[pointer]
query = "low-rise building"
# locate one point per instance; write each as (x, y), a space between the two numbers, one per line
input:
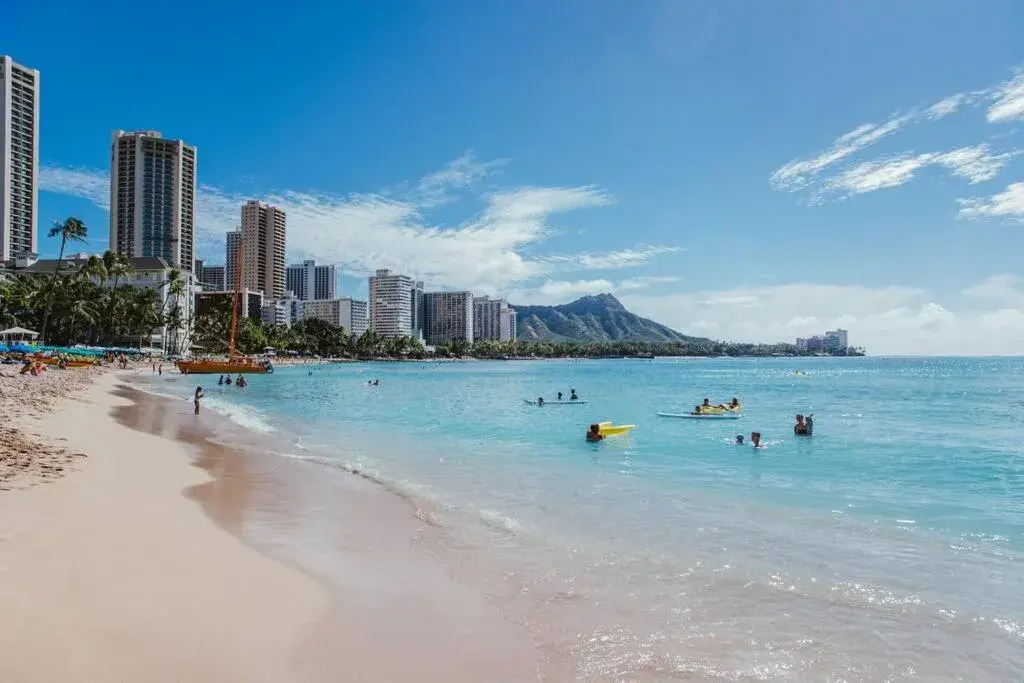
(148, 272)
(349, 314)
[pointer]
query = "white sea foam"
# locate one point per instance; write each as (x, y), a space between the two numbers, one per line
(240, 415)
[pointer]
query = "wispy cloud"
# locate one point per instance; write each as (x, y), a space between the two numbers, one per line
(1009, 100)
(975, 164)
(88, 184)
(1008, 204)
(560, 291)
(798, 174)
(816, 175)
(491, 252)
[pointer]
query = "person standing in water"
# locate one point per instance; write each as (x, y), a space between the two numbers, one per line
(594, 433)
(195, 399)
(572, 395)
(804, 425)
(755, 438)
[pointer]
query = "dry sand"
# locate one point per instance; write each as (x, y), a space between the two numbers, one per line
(25, 458)
(112, 575)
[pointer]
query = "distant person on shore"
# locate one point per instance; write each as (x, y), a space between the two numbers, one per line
(195, 399)
(755, 438)
(241, 383)
(572, 395)
(160, 369)
(594, 433)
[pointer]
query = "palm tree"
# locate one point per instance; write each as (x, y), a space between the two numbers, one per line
(93, 268)
(118, 266)
(71, 230)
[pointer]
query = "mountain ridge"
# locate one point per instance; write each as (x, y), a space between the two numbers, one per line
(592, 318)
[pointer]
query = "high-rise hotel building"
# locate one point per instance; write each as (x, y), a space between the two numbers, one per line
(310, 282)
(19, 159)
(263, 246)
(232, 242)
(153, 197)
(493, 320)
(391, 304)
(448, 316)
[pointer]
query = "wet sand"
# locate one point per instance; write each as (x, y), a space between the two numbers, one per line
(112, 574)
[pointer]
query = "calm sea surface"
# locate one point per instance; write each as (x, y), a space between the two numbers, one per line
(888, 547)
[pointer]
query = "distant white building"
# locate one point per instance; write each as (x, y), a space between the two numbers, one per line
(493, 320)
(448, 316)
(344, 312)
(286, 311)
(833, 341)
(391, 304)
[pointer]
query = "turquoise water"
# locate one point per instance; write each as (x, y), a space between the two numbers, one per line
(887, 547)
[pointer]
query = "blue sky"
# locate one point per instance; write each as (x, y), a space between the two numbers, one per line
(738, 170)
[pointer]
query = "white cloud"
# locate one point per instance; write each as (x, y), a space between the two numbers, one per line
(1008, 204)
(985, 319)
(946, 106)
(975, 164)
(798, 174)
(88, 184)
(623, 258)
(553, 292)
(1008, 99)
(491, 252)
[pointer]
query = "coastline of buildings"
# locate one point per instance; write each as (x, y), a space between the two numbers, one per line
(153, 188)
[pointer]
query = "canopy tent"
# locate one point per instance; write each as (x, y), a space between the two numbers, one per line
(17, 332)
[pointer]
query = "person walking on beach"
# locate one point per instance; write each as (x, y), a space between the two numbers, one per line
(198, 395)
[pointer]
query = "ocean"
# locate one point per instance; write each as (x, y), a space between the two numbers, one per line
(887, 547)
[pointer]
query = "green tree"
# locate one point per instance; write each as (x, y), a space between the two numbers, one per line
(71, 230)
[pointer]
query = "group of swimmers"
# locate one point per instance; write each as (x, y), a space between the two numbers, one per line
(572, 397)
(706, 408)
(241, 382)
(804, 427)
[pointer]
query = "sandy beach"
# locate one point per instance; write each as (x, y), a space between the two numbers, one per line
(115, 573)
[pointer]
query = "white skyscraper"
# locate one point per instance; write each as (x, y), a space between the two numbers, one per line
(391, 304)
(153, 197)
(493, 320)
(19, 159)
(263, 246)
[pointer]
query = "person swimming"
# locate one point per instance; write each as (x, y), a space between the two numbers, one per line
(227, 380)
(739, 439)
(540, 400)
(572, 395)
(221, 380)
(594, 433)
(697, 410)
(241, 382)
(802, 428)
(755, 439)
(559, 395)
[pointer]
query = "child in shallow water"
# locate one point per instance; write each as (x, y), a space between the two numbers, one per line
(755, 438)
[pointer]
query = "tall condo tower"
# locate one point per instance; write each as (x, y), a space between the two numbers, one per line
(263, 234)
(153, 197)
(19, 159)
(391, 303)
(231, 242)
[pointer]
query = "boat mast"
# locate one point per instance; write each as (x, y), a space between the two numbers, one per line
(239, 260)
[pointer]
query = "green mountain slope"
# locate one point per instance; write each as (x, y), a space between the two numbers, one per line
(600, 318)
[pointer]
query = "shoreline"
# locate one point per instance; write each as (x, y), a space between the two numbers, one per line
(120, 568)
